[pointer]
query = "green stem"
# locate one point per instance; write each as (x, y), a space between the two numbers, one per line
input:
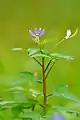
(44, 86)
(49, 70)
(37, 61)
(48, 65)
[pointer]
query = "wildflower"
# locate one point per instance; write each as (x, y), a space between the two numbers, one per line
(37, 32)
(58, 117)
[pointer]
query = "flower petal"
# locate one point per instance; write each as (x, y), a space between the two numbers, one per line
(32, 33)
(42, 32)
(58, 117)
(37, 31)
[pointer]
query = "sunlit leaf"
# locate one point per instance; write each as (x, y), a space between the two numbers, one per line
(45, 51)
(6, 104)
(35, 93)
(60, 56)
(18, 88)
(32, 51)
(41, 55)
(17, 49)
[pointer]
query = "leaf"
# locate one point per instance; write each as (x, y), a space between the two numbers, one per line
(27, 75)
(6, 104)
(32, 51)
(45, 51)
(35, 93)
(18, 88)
(16, 111)
(73, 107)
(60, 56)
(62, 90)
(17, 49)
(41, 55)
(30, 115)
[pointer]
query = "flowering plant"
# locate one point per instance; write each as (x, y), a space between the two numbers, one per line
(37, 105)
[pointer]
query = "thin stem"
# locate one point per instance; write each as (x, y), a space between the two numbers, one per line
(37, 61)
(49, 70)
(44, 86)
(47, 65)
(58, 43)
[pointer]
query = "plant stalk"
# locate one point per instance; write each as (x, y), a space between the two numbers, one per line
(44, 86)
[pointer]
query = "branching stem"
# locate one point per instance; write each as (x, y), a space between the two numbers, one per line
(49, 70)
(48, 65)
(37, 61)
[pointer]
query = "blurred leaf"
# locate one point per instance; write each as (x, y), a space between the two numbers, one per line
(16, 111)
(62, 90)
(25, 104)
(60, 56)
(18, 88)
(27, 75)
(17, 49)
(73, 107)
(31, 115)
(35, 93)
(6, 104)
(32, 51)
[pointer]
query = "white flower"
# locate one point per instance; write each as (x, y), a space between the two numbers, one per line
(68, 34)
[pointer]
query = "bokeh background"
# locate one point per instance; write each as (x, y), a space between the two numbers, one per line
(17, 17)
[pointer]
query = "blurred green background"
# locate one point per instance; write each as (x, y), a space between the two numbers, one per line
(18, 16)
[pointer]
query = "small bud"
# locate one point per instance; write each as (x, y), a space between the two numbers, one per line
(68, 34)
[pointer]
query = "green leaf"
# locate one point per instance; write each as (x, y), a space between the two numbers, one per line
(32, 51)
(62, 91)
(18, 88)
(30, 115)
(73, 107)
(16, 111)
(42, 55)
(25, 104)
(35, 93)
(45, 51)
(6, 104)
(27, 75)
(60, 56)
